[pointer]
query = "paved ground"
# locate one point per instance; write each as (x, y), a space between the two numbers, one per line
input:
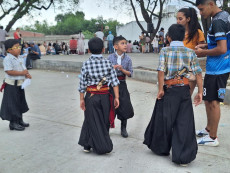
(49, 145)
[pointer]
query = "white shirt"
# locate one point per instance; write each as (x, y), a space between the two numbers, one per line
(11, 62)
(100, 35)
(155, 42)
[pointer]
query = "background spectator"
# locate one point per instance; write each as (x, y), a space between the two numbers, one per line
(142, 42)
(42, 49)
(3, 35)
(160, 43)
(155, 44)
(99, 34)
(34, 54)
(81, 43)
(17, 35)
(64, 48)
(57, 48)
(135, 49)
(129, 46)
(110, 38)
(147, 43)
(161, 32)
(73, 46)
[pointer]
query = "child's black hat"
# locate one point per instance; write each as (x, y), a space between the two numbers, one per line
(10, 43)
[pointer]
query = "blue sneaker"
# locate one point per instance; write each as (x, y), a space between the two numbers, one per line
(201, 133)
(206, 140)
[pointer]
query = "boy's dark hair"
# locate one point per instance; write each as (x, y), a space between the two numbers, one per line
(10, 43)
(176, 32)
(202, 2)
(118, 39)
(95, 45)
(162, 29)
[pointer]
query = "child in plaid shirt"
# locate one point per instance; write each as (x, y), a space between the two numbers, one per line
(178, 128)
(96, 103)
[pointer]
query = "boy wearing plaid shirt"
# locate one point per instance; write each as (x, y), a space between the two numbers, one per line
(178, 122)
(96, 73)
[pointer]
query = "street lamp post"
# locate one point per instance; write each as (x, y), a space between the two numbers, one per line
(97, 23)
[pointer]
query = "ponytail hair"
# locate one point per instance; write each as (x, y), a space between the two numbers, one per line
(193, 24)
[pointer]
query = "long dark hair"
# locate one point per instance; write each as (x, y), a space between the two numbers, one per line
(193, 24)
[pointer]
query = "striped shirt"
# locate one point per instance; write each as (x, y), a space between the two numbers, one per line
(174, 58)
(94, 69)
(126, 63)
(12, 63)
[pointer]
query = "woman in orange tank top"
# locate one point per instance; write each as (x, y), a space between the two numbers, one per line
(193, 34)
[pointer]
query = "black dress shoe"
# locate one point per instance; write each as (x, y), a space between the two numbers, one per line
(16, 126)
(123, 129)
(87, 149)
(23, 124)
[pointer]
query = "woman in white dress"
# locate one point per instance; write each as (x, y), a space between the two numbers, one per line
(81, 43)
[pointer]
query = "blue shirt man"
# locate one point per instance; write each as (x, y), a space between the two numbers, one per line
(219, 30)
(35, 49)
(110, 38)
(217, 67)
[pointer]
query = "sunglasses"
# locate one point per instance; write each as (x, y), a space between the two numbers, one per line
(15, 47)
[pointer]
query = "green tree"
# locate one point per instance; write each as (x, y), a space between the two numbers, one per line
(19, 8)
(72, 23)
(88, 34)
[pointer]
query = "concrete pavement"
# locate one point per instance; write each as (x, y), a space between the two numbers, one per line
(49, 145)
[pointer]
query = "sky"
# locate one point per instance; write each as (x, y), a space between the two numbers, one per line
(91, 11)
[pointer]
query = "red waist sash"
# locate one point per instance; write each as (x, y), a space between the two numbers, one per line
(121, 77)
(104, 90)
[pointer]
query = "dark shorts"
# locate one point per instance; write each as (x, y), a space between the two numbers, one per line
(215, 87)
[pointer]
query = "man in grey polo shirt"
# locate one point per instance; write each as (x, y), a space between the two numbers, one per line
(3, 35)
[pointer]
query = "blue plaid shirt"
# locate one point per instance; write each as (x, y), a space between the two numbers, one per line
(175, 57)
(126, 63)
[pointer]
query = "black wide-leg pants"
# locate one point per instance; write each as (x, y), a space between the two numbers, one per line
(95, 129)
(13, 103)
(172, 126)
(125, 109)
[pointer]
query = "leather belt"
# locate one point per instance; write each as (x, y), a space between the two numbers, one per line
(177, 82)
(14, 82)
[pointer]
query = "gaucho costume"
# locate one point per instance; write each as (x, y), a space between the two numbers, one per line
(172, 123)
(125, 110)
(98, 114)
(14, 102)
